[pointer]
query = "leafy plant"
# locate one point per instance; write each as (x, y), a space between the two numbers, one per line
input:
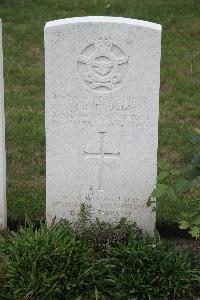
(171, 184)
(191, 221)
(193, 156)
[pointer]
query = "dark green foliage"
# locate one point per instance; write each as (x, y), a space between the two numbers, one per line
(48, 264)
(171, 183)
(148, 269)
(193, 156)
(65, 263)
(174, 187)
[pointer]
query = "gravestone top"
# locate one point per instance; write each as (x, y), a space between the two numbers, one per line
(102, 79)
(3, 209)
(104, 19)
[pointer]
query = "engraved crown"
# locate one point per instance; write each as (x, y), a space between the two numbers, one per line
(103, 45)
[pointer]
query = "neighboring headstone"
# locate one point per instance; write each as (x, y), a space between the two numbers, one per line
(102, 105)
(3, 208)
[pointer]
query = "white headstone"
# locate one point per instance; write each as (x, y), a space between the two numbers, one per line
(102, 105)
(3, 208)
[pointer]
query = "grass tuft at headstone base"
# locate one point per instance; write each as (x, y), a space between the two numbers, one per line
(94, 260)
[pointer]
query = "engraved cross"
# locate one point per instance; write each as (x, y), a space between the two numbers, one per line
(102, 155)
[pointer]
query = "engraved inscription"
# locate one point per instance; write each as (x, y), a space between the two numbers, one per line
(102, 65)
(99, 109)
(102, 155)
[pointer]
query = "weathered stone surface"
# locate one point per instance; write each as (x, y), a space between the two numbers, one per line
(3, 209)
(102, 104)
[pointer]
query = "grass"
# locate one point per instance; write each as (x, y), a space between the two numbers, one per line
(23, 22)
(90, 261)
